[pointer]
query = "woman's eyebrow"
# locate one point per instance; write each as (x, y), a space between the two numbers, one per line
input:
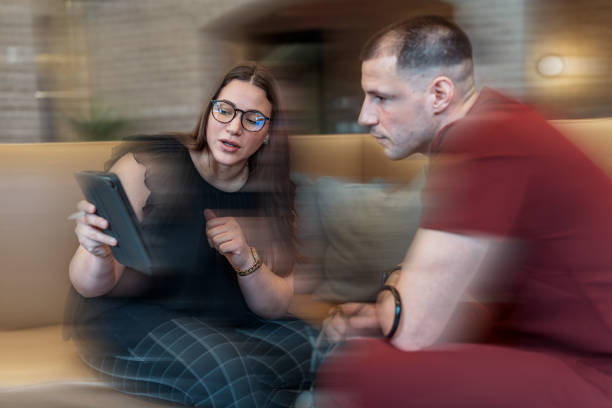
(237, 107)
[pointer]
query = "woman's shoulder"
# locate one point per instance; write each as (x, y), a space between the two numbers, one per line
(157, 165)
(147, 148)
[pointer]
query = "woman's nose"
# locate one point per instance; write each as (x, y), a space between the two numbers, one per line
(235, 125)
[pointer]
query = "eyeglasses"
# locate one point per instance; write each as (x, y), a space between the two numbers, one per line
(225, 111)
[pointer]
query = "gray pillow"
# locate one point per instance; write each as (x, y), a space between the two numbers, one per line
(369, 227)
(311, 239)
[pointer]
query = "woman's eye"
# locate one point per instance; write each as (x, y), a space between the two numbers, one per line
(253, 119)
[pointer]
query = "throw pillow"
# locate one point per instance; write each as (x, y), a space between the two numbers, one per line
(369, 227)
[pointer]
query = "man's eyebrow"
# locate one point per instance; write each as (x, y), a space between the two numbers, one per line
(377, 92)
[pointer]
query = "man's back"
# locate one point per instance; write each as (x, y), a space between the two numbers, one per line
(512, 175)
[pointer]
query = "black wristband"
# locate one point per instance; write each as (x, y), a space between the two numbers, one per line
(398, 309)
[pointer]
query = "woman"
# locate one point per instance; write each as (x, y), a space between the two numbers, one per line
(216, 207)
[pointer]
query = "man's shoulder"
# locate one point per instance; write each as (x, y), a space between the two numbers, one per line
(495, 123)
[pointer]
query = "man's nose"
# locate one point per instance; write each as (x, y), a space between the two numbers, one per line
(367, 116)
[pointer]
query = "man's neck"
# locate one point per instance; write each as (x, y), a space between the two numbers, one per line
(462, 108)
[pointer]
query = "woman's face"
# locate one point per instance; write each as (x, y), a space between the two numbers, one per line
(229, 143)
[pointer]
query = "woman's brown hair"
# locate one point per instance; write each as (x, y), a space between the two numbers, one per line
(268, 166)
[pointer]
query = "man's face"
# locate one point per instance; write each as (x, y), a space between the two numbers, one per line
(395, 109)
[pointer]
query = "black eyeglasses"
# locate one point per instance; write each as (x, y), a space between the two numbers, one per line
(225, 111)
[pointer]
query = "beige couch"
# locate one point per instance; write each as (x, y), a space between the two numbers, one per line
(38, 191)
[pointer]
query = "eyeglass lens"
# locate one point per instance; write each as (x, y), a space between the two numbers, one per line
(225, 112)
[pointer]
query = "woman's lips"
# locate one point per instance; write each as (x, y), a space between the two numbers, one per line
(229, 146)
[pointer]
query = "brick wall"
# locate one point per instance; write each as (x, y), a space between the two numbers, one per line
(19, 115)
(154, 62)
(497, 31)
(579, 32)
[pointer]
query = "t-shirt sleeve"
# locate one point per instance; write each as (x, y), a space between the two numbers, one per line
(478, 184)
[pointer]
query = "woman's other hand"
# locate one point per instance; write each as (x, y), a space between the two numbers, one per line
(226, 236)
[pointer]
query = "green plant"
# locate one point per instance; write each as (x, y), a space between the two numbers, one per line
(102, 123)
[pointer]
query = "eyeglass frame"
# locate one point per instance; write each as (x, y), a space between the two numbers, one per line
(215, 101)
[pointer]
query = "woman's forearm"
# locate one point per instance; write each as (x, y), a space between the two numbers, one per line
(267, 294)
(92, 275)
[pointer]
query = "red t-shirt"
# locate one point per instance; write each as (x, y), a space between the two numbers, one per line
(503, 170)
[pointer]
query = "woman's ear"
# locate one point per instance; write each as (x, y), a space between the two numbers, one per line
(442, 92)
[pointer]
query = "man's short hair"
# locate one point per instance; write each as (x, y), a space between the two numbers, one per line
(421, 43)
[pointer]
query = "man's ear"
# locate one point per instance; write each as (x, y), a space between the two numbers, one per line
(441, 92)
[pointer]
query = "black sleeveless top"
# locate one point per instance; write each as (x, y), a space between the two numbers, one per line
(194, 279)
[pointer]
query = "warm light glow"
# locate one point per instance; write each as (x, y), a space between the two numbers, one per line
(551, 65)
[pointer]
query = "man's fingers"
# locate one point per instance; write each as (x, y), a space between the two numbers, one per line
(349, 309)
(335, 328)
(364, 322)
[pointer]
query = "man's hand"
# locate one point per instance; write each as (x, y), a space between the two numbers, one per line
(351, 320)
(226, 236)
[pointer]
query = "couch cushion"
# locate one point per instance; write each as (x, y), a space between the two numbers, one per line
(40, 369)
(369, 227)
(593, 136)
(38, 191)
(73, 395)
(311, 238)
(39, 355)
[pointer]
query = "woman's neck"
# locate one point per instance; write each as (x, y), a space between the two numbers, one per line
(225, 178)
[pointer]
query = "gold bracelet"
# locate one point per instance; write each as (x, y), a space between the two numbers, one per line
(253, 268)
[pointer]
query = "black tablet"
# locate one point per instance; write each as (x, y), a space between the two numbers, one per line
(104, 190)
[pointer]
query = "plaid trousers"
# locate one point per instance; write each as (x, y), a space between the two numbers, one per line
(187, 360)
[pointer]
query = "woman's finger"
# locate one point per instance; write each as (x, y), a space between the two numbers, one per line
(209, 214)
(91, 233)
(220, 239)
(94, 248)
(214, 231)
(95, 221)
(86, 206)
(229, 247)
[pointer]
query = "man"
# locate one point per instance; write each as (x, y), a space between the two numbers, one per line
(511, 206)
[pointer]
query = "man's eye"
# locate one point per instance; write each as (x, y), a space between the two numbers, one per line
(379, 99)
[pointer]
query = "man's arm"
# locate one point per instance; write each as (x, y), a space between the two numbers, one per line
(435, 273)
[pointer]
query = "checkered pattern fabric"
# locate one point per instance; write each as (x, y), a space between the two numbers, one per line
(189, 361)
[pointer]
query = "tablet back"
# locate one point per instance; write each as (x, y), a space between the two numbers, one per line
(105, 191)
